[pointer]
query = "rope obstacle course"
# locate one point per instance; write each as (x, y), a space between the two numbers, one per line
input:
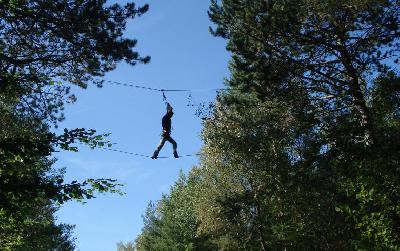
(163, 91)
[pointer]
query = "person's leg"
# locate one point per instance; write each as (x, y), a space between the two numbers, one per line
(159, 147)
(174, 145)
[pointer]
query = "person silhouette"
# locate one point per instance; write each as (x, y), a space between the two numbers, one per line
(166, 133)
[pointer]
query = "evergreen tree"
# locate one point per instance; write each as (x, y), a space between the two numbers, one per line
(331, 47)
(324, 63)
(303, 151)
(171, 224)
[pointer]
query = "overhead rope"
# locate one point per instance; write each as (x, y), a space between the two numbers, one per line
(164, 97)
(165, 90)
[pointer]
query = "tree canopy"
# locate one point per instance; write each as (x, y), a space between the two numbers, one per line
(303, 151)
(45, 47)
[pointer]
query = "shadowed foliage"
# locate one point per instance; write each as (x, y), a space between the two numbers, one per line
(303, 152)
(45, 48)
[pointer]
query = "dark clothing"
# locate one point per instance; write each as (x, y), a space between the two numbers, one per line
(166, 123)
(166, 135)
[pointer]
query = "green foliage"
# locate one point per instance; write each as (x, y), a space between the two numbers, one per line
(44, 42)
(83, 136)
(39, 232)
(255, 184)
(29, 184)
(130, 246)
(171, 224)
(33, 227)
(45, 46)
(303, 152)
(328, 48)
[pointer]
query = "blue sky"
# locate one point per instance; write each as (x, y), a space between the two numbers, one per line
(185, 56)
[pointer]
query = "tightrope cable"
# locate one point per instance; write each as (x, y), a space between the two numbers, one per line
(137, 154)
(143, 155)
(131, 85)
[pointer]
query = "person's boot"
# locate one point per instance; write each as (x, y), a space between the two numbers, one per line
(155, 155)
(176, 155)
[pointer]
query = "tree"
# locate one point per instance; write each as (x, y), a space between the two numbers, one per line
(332, 47)
(253, 183)
(325, 61)
(45, 42)
(302, 150)
(29, 188)
(45, 47)
(42, 233)
(130, 246)
(171, 223)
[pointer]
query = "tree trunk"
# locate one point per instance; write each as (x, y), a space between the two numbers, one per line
(361, 106)
(358, 98)
(260, 228)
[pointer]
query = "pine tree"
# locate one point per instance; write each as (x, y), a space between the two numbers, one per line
(302, 151)
(324, 62)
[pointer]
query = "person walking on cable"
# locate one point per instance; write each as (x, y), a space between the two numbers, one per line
(166, 133)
